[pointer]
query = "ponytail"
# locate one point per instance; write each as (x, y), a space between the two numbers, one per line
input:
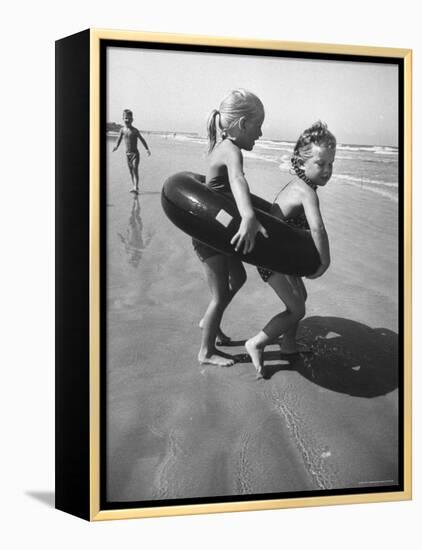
(212, 129)
(236, 105)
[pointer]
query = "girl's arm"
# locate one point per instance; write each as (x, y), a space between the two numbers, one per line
(119, 139)
(249, 226)
(318, 232)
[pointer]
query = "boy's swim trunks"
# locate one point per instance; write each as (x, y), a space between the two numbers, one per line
(133, 159)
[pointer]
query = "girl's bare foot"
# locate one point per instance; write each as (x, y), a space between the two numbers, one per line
(256, 354)
(215, 359)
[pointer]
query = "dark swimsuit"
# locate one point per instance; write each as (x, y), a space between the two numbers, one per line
(299, 222)
(133, 159)
(221, 184)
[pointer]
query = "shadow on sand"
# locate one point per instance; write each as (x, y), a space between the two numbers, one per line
(347, 357)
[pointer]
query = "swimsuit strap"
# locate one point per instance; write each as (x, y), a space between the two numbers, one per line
(300, 174)
(282, 189)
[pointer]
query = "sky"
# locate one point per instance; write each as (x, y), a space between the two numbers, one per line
(176, 91)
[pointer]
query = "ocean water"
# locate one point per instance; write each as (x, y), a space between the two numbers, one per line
(372, 167)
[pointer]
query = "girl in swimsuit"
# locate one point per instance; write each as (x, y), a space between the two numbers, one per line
(236, 125)
(297, 204)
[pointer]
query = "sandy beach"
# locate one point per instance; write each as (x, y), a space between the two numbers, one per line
(176, 429)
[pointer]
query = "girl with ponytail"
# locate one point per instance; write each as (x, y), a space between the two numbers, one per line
(233, 127)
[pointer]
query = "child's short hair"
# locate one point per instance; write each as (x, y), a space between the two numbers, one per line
(237, 104)
(127, 112)
(317, 134)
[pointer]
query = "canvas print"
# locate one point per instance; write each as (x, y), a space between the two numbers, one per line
(252, 271)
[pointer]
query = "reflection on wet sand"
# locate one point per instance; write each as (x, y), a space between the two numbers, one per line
(133, 240)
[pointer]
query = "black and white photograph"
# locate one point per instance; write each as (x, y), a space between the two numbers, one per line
(252, 275)
(160, 390)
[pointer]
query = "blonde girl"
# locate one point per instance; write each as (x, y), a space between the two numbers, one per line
(233, 127)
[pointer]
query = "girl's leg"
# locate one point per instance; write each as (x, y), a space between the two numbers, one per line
(287, 290)
(289, 343)
(216, 269)
(237, 275)
(237, 278)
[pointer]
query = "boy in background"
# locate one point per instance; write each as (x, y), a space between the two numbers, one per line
(131, 136)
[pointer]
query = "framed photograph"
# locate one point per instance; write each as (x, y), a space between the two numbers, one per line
(233, 276)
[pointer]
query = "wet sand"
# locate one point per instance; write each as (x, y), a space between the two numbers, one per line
(180, 430)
